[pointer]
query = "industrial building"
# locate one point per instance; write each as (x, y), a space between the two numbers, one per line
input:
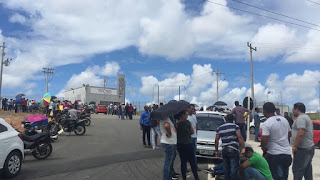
(99, 95)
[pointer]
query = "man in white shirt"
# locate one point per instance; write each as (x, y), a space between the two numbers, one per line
(274, 143)
(169, 144)
(193, 120)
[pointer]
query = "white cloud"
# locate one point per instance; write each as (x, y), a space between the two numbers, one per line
(18, 18)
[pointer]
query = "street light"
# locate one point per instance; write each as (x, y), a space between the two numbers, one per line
(269, 92)
(3, 62)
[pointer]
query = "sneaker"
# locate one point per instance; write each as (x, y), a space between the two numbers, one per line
(198, 169)
(174, 177)
(187, 170)
(209, 170)
(175, 174)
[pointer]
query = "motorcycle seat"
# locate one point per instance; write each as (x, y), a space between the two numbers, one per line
(35, 137)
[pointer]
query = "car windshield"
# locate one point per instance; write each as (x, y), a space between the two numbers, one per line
(209, 123)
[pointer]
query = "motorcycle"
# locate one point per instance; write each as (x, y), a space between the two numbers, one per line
(39, 145)
(63, 124)
(86, 117)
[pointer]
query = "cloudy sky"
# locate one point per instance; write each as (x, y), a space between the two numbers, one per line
(165, 44)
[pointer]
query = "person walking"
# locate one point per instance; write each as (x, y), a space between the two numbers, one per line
(274, 143)
(302, 143)
(185, 144)
(239, 112)
(145, 126)
(231, 137)
(193, 120)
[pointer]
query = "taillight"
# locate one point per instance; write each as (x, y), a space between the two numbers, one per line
(20, 136)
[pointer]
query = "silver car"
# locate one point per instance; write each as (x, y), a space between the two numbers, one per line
(208, 122)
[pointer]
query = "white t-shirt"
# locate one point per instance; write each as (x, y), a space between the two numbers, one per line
(164, 139)
(51, 105)
(277, 128)
(194, 122)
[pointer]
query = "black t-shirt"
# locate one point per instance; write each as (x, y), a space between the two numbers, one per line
(183, 132)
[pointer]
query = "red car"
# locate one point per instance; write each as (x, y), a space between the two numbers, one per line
(316, 133)
(102, 109)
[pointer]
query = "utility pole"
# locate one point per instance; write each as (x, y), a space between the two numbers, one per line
(158, 96)
(217, 74)
(105, 82)
(281, 102)
(252, 87)
(47, 71)
(319, 98)
(179, 93)
(5, 62)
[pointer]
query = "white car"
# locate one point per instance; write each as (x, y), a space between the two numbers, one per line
(11, 150)
(262, 120)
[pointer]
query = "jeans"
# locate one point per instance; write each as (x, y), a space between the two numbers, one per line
(302, 163)
(250, 172)
(145, 131)
(130, 114)
(231, 163)
(187, 154)
(279, 165)
(155, 131)
(169, 157)
(194, 142)
(242, 127)
(122, 115)
(256, 132)
(219, 168)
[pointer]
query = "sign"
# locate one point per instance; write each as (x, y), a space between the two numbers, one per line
(245, 103)
(105, 91)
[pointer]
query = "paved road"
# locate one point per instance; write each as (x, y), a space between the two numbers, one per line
(110, 149)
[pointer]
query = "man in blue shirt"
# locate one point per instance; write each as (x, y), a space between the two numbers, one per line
(230, 137)
(145, 126)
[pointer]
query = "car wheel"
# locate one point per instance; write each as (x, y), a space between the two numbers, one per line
(252, 130)
(12, 165)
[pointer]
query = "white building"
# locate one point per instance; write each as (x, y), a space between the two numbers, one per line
(99, 95)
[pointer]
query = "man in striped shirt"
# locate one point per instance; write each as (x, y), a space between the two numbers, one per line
(231, 137)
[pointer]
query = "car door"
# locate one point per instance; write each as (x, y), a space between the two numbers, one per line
(4, 143)
(316, 134)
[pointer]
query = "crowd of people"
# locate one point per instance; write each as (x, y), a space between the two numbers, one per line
(18, 105)
(284, 143)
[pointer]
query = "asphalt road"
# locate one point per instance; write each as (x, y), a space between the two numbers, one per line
(111, 148)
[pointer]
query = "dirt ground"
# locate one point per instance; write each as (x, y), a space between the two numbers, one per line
(14, 119)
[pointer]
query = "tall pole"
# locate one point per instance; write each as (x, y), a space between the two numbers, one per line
(217, 74)
(319, 98)
(179, 93)
(158, 96)
(281, 102)
(2, 57)
(251, 66)
(47, 71)
(248, 119)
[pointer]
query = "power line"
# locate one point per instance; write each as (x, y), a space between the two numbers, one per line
(263, 15)
(314, 2)
(283, 15)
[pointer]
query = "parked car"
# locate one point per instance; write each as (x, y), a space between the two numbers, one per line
(12, 150)
(262, 120)
(316, 133)
(102, 109)
(208, 122)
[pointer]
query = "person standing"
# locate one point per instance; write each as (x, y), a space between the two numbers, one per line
(130, 111)
(185, 145)
(274, 143)
(155, 129)
(231, 137)
(278, 112)
(239, 112)
(123, 109)
(169, 145)
(24, 104)
(302, 143)
(193, 120)
(256, 124)
(290, 121)
(10, 103)
(145, 126)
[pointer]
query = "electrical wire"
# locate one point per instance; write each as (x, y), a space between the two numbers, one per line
(275, 13)
(307, 27)
(314, 2)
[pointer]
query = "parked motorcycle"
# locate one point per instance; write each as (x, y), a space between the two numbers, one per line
(39, 145)
(67, 125)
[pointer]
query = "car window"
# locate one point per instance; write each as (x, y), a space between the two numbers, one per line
(316, 126)
(102, 106)
(3, 128)
(209, 123)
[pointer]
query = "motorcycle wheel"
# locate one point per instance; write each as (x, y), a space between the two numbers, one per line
(87, 122)
(54, 128)
(43, 151)
(79, 130)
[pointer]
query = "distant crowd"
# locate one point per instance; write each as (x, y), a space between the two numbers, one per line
(23, 105)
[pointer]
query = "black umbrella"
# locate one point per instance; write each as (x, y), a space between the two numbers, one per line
(220, 103)
(92, 102)
(53, 97)
(20, 95)
(173, 107)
